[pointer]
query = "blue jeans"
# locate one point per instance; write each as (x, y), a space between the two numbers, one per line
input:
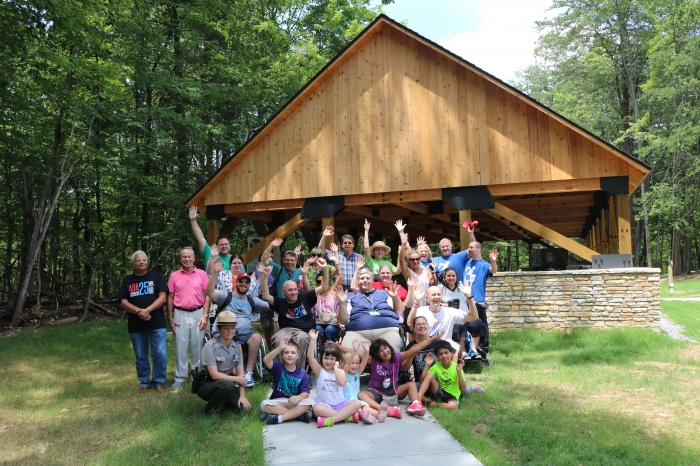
(329, 331)
(156, 340)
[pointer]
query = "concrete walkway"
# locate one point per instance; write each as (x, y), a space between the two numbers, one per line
(410, 440)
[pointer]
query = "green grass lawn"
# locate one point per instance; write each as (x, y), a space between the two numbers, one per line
(69, 396)
(623, 396)
(682, 289)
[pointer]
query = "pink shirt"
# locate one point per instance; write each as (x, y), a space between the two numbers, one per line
(188, 288)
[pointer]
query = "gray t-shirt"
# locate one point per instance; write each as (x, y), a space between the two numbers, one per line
(241, 307)
(225, 359)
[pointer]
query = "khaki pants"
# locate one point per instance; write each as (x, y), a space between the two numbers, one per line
(299, 337)
(390, 334)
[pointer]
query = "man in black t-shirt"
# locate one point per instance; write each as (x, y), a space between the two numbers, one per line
(142, 295)
(293, 308)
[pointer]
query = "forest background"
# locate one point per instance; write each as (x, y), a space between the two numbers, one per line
(112, 113)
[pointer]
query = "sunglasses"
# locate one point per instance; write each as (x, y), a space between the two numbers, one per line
(348, 243)
(243, 282)
(416, 259)
(316, 255)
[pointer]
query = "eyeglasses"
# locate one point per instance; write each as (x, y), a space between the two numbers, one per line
(313, 254)
(243, 282)
(414, 259)
(345, 243)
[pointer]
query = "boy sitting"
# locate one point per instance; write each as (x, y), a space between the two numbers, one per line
(444, 382)
(290, 393)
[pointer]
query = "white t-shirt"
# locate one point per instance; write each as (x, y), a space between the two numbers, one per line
(443, 321)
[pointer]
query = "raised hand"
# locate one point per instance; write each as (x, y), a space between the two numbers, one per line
(336, 366)
(404, 238)
(420, 240)
(366, 225)
(493, 254)
(417, 293)
(283, 343)
(412, 282)
(297, 250)
(305, 268)
(268, 270)
(429, 359)
(460, 365)
(342, 296)
(320, 261)
(277, 242)
(400, 225)
(218, 266)
(334, 248)
(328, 231)
(214, 250)
(333, 258)
(193, 212)
(360, 262)
(260, 268)
(365, 346)
(466, 287)
(393, 289)
(355, 345)
(313, 334)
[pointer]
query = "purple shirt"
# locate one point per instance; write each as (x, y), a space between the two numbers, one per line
(188, 288)
(287, 384)
(384, 377)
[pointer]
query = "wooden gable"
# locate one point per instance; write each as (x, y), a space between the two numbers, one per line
(395, 113)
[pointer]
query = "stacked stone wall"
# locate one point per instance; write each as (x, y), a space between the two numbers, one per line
(577, 298)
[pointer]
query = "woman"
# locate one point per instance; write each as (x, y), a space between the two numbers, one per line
(315, 269)
(367, 314)
(326, 308)
(375, 255)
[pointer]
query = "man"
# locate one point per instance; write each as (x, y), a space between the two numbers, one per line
(348, 258)
(456, 261)
(186, 298)
(223, 359)
(142, 295)
(243, 307)
(223, 244)
(477, 271)
(293, 309)
(290, 271)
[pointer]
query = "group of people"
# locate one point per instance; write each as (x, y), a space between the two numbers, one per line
(442, 307)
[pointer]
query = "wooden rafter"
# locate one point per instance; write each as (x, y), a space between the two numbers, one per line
(507, 224)
(282, 232)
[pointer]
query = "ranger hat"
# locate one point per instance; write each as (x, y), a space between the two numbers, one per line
(226, 318)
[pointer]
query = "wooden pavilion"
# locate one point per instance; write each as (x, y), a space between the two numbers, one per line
(396, 127)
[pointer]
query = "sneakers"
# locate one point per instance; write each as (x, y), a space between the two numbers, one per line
(177, 384)
(355, 418)
(416, 409)
(474, 355)
(427, 402)
(264, 416)
(306, 417)
(249, 380)
(367, 417)
(394, 411)
(272, 419)
(324, 422)
(383, 411)
(472, 389)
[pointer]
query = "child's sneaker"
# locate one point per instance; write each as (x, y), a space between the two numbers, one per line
(367, 417)
(416, 409)
(394, 411)
(306, 417)
(383, 410)
(324, 422)
(273, 419)
(472, 389)
(264, 416)
(355, 418)
(249, 380)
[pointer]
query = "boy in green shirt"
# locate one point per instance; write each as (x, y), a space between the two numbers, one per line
(443, 382)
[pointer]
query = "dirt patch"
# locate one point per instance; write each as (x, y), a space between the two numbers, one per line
(681, 278)
(692, 353)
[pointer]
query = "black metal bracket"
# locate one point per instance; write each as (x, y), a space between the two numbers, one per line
(215, 212)
(615, 184)
(321, 207)
(469, 197)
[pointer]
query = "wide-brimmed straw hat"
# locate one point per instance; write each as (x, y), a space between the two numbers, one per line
(379, 244)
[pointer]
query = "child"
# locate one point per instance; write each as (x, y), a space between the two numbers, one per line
(330, 403)
(443, 382)
(290, 386)
(385, 365)
(353, 368)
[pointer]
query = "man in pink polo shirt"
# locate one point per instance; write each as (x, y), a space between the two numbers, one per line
(187, 288)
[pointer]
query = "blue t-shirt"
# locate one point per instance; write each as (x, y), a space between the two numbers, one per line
(456, 261)
(282, 275)
(479, 272)
(288, 384)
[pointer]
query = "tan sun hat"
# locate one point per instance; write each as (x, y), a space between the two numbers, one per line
(226, 318)
(379, 244)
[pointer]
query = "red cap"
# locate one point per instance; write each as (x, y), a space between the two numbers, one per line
(242, 275)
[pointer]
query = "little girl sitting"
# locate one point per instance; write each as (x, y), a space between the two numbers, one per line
(383, 389)
(330, 379)
(353, 368)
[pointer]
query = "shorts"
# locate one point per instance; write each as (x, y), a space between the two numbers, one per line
(244, 335)
(337, 407)
(377, 396)
(284, 402)
(441, 396)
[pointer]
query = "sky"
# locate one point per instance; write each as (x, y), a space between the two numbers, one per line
(498, 36)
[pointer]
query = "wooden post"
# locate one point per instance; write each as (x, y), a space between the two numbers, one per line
(228, 226)
(464, 238)
(614, 243)
(670, 278)
(622, 208)
(604, 231)
(212, 231)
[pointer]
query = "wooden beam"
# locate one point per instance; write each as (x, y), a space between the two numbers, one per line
(464, 238)
(544, 232)
(614, 243)
(228, 226)
(507, 224)
(282, 232)
(545, 187)
(622, 208)
(212, 231)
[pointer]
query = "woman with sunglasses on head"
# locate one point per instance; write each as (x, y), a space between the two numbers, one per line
(412, 268)
(326, 309)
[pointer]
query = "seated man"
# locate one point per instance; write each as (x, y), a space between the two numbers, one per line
(290, 386)
(293, 309)
(243, 307)
(223, 359)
